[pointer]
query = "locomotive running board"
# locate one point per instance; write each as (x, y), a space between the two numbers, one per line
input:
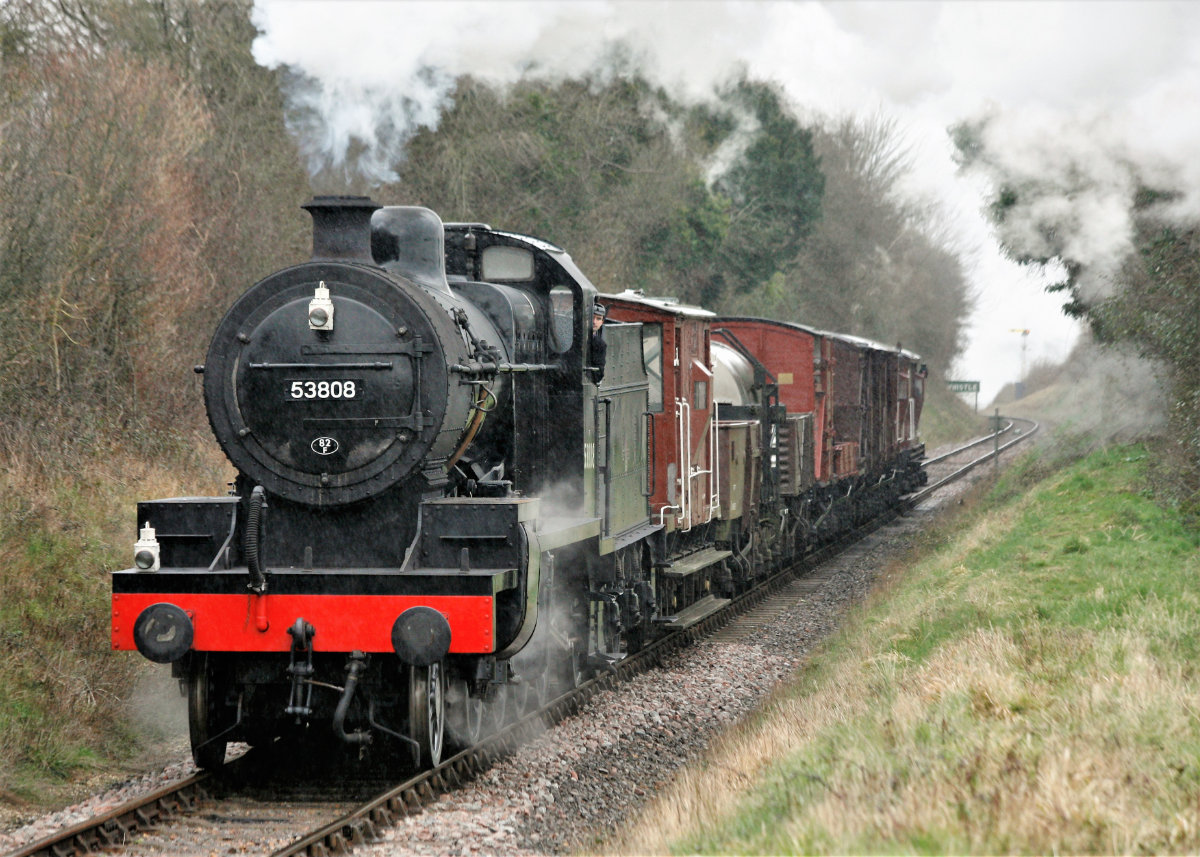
(689, 616)
(608, 544)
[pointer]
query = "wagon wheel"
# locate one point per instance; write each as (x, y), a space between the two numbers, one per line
(465, 714)
(427, 712)
(203, 699)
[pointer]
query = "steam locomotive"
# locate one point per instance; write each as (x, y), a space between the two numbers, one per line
(446, 512)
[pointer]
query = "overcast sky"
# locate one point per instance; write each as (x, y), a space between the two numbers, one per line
(1116, 84)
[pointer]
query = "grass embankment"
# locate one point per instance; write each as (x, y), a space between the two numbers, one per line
(63, 707)
(946, 418)
(1029, 685)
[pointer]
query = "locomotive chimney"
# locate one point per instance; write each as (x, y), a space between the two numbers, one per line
(342, 228)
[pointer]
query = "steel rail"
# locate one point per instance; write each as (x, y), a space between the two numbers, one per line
(914, 499)
(115, 827)
(987, 438)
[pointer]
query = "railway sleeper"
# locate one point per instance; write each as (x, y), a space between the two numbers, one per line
(356, 834)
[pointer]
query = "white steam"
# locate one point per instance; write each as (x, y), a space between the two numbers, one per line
(1088, 99)
(1077, 175)
(371, 74)
(1094, 102)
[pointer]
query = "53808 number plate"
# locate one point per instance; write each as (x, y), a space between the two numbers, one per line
(323, 389)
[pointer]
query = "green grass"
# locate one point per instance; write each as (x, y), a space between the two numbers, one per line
(63, 708)
(1029, 686)
(947, 418)
(61, 682)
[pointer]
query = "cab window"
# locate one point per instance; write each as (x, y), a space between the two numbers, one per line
(562, 319)
(506, 264)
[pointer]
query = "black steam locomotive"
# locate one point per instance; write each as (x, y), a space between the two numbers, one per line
(442, 516)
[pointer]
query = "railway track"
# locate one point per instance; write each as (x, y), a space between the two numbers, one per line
(200, 813)
(1016, 430)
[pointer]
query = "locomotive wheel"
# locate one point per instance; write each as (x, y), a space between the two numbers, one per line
(532, 689)
(611, 640)
(427, 711)
(497, 714)
(465, 715)
(203, 697)
(540, 687)
(575, 666)
(532, 693)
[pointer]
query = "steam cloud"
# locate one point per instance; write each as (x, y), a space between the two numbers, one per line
(366, 76)
(1078, 184)
(1086, 99)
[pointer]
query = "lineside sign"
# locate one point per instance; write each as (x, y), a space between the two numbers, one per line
(963, 386)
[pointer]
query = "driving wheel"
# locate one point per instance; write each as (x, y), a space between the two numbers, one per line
(427, 712)
(203, 698)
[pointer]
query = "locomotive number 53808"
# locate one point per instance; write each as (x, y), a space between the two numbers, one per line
(323, 389)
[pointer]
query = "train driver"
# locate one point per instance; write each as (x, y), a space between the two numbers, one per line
(599, 348)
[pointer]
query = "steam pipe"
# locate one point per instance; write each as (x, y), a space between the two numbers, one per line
(253, 543)
(354, 669)
(221, 551)
(476, 421)
(474, 368)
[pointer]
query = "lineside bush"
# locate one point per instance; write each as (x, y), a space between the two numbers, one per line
(142, 167)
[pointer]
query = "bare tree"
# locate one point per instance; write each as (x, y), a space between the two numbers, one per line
(875, 264)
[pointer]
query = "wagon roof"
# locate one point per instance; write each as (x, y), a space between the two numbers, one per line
(669, 305)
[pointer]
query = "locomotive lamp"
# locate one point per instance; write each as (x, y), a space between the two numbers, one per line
(145, 550)
(320, 310)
